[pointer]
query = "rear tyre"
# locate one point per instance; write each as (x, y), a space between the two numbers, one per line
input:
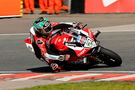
(109, 57)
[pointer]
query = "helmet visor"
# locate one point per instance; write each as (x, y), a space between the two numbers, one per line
(48, 29)
(43, 27)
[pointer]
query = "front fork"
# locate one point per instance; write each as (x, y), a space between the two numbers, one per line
(95, 55)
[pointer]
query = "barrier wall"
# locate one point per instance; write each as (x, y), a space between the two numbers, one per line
(10, 8)
(109, 6)
(77, 7)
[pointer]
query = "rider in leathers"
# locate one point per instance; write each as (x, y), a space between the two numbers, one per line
(41, 33)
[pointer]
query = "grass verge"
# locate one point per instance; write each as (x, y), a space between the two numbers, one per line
(87, 86)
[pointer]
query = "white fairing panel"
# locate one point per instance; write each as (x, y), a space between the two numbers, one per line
(32, 30)
(75, 48)
(89, 43)
(30, 47)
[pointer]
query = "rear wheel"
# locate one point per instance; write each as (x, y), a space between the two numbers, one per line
(109, 57)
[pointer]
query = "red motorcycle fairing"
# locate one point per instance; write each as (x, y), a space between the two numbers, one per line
(90, 33)
(59, 42)
(29, 44)
(28, 40)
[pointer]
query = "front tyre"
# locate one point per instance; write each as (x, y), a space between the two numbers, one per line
(109, 57)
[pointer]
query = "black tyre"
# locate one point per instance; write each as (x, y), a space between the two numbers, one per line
(109, 57)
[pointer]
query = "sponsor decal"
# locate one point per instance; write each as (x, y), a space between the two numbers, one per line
(83, 51)
(40, 42)
(107, 3)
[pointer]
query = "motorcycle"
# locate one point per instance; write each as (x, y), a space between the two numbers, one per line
(84, 48)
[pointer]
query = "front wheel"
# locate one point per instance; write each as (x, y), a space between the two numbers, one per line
(109, 57)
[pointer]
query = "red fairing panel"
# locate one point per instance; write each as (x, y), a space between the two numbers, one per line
(59, 41)
(90, 33)
(28, 40)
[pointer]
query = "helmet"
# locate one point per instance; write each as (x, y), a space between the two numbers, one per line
(42, 25)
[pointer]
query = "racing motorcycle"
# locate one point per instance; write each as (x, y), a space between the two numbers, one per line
(84, 48)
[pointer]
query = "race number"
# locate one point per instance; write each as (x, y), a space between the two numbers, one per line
(89, 43)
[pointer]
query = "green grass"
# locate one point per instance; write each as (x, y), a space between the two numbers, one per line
(87, 86)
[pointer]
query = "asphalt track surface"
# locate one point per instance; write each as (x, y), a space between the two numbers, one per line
(14, 56)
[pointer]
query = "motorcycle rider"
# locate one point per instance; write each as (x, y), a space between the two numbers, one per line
(41, 33)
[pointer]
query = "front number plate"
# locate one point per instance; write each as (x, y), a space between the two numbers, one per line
(90, 43)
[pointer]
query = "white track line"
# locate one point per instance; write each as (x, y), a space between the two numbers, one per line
(117, 78)
(5, 74)
(103, 71)
(18, 34)
(27, 78)
(75, 76)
